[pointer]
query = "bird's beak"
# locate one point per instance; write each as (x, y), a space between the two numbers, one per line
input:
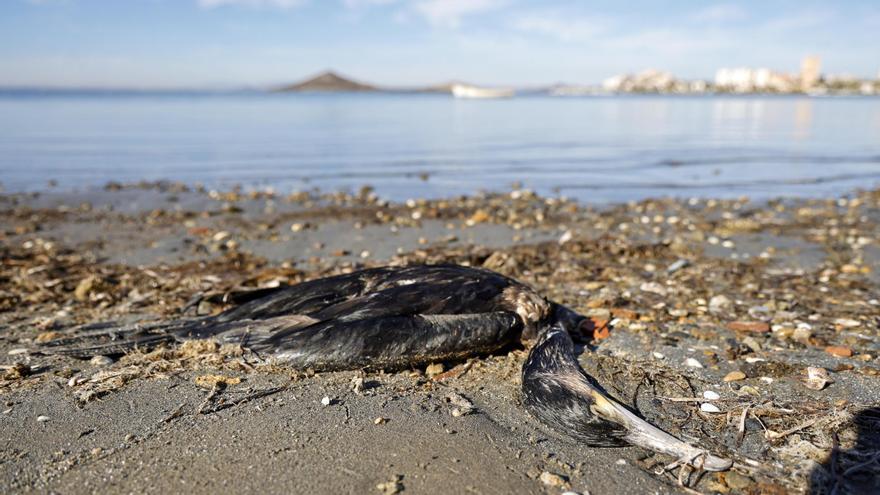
(644, 434)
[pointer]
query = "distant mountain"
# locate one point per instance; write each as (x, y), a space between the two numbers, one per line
(328, 81)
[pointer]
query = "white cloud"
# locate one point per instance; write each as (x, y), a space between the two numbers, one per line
(280, 4)
(357, 4)
(725, 12)
(449, 13)
(561, 27)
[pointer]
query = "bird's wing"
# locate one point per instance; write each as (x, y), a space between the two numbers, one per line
(387, 291)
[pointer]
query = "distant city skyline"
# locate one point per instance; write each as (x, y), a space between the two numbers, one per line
(262, 43)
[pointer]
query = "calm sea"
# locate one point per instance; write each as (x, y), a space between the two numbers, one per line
(597, 149)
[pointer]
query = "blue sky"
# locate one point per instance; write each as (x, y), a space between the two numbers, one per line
(228, 43)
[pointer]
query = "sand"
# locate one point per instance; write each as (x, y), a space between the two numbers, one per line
(156, 432)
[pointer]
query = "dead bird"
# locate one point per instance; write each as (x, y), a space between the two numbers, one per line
(403, 317)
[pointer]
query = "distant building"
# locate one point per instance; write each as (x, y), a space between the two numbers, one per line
(811, 68)
(747, 80)
(648, 81)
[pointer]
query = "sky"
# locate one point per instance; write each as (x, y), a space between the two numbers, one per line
(262, 43)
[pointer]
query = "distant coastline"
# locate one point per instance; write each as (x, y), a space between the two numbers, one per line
(736, 82)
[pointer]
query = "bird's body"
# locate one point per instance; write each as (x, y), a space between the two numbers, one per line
(399, 317)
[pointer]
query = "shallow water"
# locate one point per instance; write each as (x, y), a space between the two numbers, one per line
(597, 149)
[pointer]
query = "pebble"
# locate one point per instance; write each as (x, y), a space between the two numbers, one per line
(101, 361)
(552, 479)
(380, 420)
(326, 401)
(357, 385)
(693, 363)
(654, 288)
(42, 419)
(734, 376)
(676, 266)
(709, 408)
(749, 326)
(719, 303)
(710, 395)
(434, 369)
(565, 237)
(839, 351)
(657, 355)
(847, 322)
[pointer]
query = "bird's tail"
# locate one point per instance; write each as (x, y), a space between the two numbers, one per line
(112, 338)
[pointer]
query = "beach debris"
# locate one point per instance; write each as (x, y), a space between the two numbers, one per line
(749, 326)
(461, 404)
(17, 371)
(654, 288)
(677, 265)
(326, 401)
(719, 304)
(553, 479)
(711, 395)
(357, 385)
(380, 421)
(839, 351)
(85, 287)
(391, 487)
(101, 361)
(211, 381)
(847, 322)
(817, 378)
(434, 369)
(565, 237)
(709, 408)
(693, 363)
(42, 419)
(734, 376)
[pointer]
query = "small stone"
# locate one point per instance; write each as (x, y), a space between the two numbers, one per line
(719, 303)
(710, 395)
(654, 288)
(709, 408)
(357, 385)
(434, 369)
(752, 344)
(658, 355)
(42, 419)
(737, 482)
(693, 363)
(326, 401)
(96, 451)
(101, 361)
(380, 420)
(85, 287)
(552, 479)
(734, 376)
(749, 326)
(391, 487)
(565, 237)
(221, 236)
(839, 351)
(847, 322)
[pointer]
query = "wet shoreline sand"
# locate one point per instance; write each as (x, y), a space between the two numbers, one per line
(729, 297)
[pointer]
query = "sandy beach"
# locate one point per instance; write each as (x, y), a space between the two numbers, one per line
(750, 328)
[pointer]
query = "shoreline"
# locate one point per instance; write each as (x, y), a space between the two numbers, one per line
(762, 289)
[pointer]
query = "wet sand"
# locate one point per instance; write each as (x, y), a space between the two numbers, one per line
(729, 297)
